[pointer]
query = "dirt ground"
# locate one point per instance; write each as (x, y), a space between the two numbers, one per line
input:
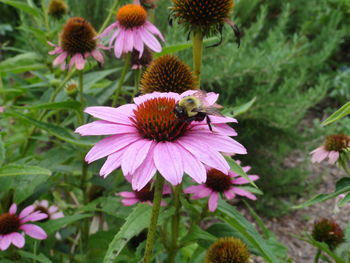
(302, 220)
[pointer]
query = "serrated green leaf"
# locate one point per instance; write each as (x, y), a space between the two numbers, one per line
(38, 258)
(54, 225)
(18, 169)
(236, 168)
(70, 105)
(231, 216)
(341, 113)
(23, 7)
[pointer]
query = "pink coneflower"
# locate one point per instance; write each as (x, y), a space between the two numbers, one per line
(51, 211)
(145, 195)
(77, 42)
(11, 225)
(147, 136)
(332, 148)
(132, 31)
(224, 183)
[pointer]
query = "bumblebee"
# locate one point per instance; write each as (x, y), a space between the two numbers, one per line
(196, 108)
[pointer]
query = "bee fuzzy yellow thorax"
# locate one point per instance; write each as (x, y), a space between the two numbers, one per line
(190, 103)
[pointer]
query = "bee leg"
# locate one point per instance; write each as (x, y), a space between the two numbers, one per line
(209, 123)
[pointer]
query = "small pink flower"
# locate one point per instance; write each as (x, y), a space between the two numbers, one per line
(11, 225)
(331, 149)
(145, 195)
(224, 183)
(147, 136)
(132, 31)
(77, 42)
(51, 211)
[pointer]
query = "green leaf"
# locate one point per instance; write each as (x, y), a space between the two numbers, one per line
(21, 63)
(342, 186)
(137, 220)
(15, 169)
(198, 233)
(59, 132)
(54, 225)
(230, 215)
(36, 258)
(2, 152)
(341, 113)
(236, 168)
(23, 7)
(70, 105)
(235, 111)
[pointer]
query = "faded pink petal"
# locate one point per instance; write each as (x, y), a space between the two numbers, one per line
(60, 59)
(108, 30)
(213, 201)
(319, 154)
(52, 209)
(57, 215)
(97, 55)
(44, 203)
(79, 61)
(34, 231)
(333, 157)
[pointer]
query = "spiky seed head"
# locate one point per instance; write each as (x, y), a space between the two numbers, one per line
(337, 142)
(57, 8)
(329, 232)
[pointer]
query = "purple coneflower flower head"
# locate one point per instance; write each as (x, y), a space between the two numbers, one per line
(132, 30)
(52, 211)
(148, 137)
(11, 226)
(218, 183)
(145, 195)
(77, 42)
(333, 147)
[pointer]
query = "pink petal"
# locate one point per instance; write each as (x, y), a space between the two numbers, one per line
(243, 192)
(13, 209)
(44, 203)
(224, 129)
(129, 202)
(112, 39)
(17, 239)
(51, 44)
(128, 41)
(52, 209)
(193, 189)
(229, 194)
(34, 217)
(153, 29)
(127, 194)
(150, 41)
(57, 215)
(110, 145)
(144, 173)
(138, 43)
(5, 241)
(71, 62)
(119, 44)
(60, 59)
(108, 30)
(134, 155)
(213, 201)
(79, 61)
(104, 128)
(168, 161)
(319, 154)
(171, 95)
(203, 192)
(98, 56)
(118, 115)
(113, 162)
(218, 119)
(56, 51)
(26, 211)
(333, 156)
(34, 231)
(242, 180)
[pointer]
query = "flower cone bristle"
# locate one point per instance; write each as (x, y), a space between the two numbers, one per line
(132, 15)
(168, 74)
(228, 250)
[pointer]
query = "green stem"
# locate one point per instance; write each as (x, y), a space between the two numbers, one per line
(81, 95)
(110, 14)
(158, 189)
(83, 187)
(317, 257)
(175, 224)
(197, 39)
(121, 79)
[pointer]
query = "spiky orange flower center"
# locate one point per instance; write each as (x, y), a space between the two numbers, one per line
(328, 231)
(228, 250)
(131, 15)
(337, 142)
(218, 181)
(145, 194)
(9, 223)
(57, 8)
(202, 13)
(77, 36)
(168, 74)
(155, 120)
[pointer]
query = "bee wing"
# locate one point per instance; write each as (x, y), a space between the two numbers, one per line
(209, 110)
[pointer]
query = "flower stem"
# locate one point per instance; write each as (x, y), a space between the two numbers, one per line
(81, 95)
(175, 224)
(154, 218)
(121, 79)
(110, 14)
(197, 39)
(318, 254)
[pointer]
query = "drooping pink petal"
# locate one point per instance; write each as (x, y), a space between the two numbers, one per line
(127, 194)
(52, 209)
(108, 30)
(203, 192)
(5, 241)
(57, 215)
(113, 162)
(242, 180)
(138, 44)
(213, 201)
(51, 44)
(128, 41)
(229, 194)
(56, 51)
(79, 61)
(119, 44)
(60, 59)
(134, 155)
(34, 231)
(13, 209)
(113, 38)
(153, 29)
(118, 115)
(17, 239)
(150, 41)
(34, 217)
(26, 211)
(192, 166)
(168, 161)
(97, 55)
(319, 154)
(243, 192)
(129, 202)
(110, 145)
(104, 128)
(333, 157)
(72, 62)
